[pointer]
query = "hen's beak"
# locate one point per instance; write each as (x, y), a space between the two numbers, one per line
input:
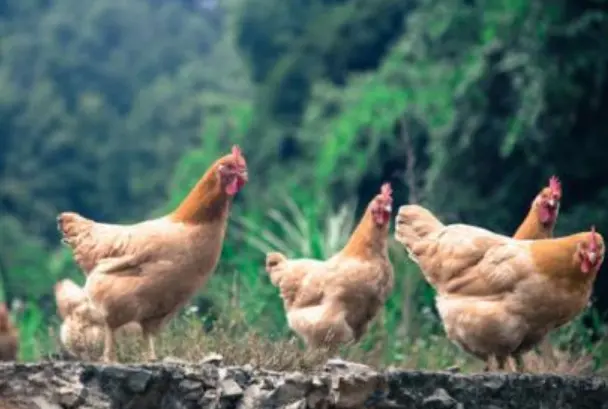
(244, 176)
(388, 208)
(552, 203)
(592, 256)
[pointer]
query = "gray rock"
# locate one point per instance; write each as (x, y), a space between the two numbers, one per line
(172, 402)
(342, 384)
(355, 390)
(290, 389)
(319, 392)
(209, 400)
(39, 378)
(494, 384)
(42, 403)
(230, 389)
(188, 385)
(255, 396)
(138, 381)
(354, 384)
(440, 399)
(70, 397)
(115, 372)
(300, 404)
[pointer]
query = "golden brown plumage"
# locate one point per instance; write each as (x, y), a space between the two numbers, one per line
(498, 296)
(9, 336)
(542, 216)
(332, 302)
(82, 330)
(146, 271)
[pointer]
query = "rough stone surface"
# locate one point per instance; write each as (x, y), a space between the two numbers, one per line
(175, 384)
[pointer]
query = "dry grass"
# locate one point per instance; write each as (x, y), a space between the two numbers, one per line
(558, 362)
(185, 339)
(241, 342)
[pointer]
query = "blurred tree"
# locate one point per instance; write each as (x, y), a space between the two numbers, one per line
(489, 97)
(290, 44)
(99, 101)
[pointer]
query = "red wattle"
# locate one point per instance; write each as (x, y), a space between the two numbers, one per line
(233, 187)
(585, 266)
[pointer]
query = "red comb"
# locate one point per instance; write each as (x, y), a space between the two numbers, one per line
(555, 185)
(386, 191)
(593, 241)
(236, 151)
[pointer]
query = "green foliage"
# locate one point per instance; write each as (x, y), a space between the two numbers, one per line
(35, 341)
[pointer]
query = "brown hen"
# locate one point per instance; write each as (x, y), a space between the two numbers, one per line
(331, 302)
(146, 272)
(498, 296)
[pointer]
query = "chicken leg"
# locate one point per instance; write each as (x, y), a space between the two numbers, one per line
(516, 363)
(109, 351)
(500, 363)
(151, 354)
(150, 329)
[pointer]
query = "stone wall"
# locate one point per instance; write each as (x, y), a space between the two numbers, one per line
(209, 384)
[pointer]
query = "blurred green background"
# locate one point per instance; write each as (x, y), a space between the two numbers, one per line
(115, 108)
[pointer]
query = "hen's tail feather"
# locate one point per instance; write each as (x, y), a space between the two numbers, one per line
(76, 232)
(71, 225)
(415, 223)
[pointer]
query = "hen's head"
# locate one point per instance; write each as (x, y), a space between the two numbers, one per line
(274, 260)
(548, 200)
(590, 251)
(4, 318)
(232, 170)
(382, 205)
(275, 263)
